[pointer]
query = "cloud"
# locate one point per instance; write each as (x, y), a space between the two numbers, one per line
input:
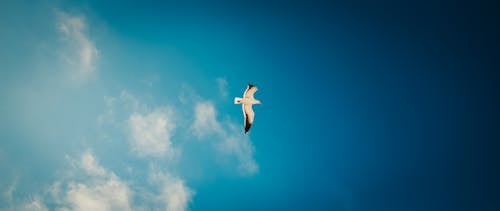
(150, 133)
(148, 130)
(235, 143)
(34, 204)
(231, 142)
(174, 194)
(222, 85)
(89, 186)
(9, 192)
(119, 108)
(188, 94)
(86, 185)
(90, 165)
(205, 122)
(107, 194)
(78, 53)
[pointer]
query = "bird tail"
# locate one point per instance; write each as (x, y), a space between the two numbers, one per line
(237, 100)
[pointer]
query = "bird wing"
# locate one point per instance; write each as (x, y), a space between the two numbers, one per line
(251, 89)
(249, 116)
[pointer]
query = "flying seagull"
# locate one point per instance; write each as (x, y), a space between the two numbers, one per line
(246, 104)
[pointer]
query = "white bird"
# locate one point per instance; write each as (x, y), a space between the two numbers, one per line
(246, 104)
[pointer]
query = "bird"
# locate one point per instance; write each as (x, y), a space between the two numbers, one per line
(246, 105)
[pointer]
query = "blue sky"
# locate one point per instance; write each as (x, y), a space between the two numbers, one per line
(366, 106)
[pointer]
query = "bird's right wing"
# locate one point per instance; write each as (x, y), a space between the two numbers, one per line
(249, 116)
(251, 89)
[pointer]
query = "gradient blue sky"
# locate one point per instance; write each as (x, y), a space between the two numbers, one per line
(366, 105)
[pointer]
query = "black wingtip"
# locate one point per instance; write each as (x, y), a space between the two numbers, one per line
(247, 127)
(250, 85)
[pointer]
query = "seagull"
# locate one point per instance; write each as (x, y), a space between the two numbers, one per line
(246, 104)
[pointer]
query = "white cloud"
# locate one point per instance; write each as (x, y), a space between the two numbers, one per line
(10, 190)
(79, 52)
(130, 101)
(86, 185)
(8, 194)
(174, 194)
(231, 142)
(234, 142)
(205, 122)
(150, 133)
(89, 186)
(105, 194)
(222, 85)
(187, 94)
(119, 108)
(34, 204)
(90, 165)
(149, 130)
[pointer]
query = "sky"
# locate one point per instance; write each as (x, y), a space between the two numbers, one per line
(128, 105)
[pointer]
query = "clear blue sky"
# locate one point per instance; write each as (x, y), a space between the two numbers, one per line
(366, 106)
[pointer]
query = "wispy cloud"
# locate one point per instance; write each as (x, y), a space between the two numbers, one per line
(231, 142)
(149, 129)
(188, 94)
(119, 108)
(150, 133)
(237, 144)
(174, 194)
(87, 185)
(222, 85)
(205, 122)
(9, 192)
(34, 204)
(79, 53)
(89, 164)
